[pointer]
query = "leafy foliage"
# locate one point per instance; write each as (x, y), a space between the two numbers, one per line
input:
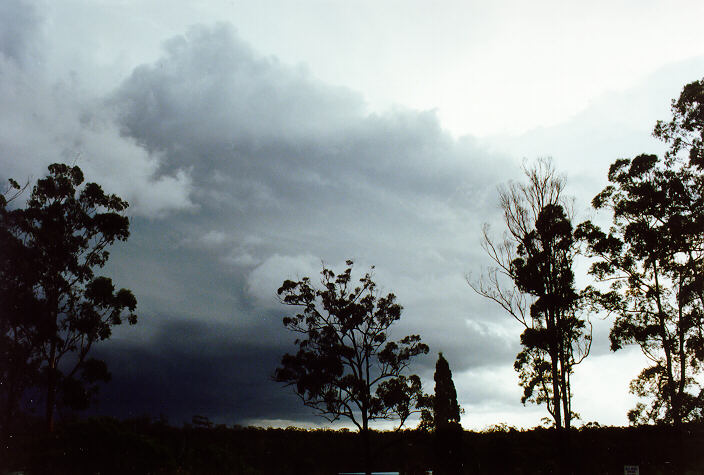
(653, 257)
(109, 446)
(345, 367)
(446, 421)
(685, 131)
(18, 368)
(446, 410)
(543, 269)
(533, 281)
(54, 305)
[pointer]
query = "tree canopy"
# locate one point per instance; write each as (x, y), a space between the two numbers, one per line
(53, 304)
(446, 410)
(532, 280)
(653, 257)
(345, 367)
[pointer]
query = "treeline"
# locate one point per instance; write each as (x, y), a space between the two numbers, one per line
(142, 446)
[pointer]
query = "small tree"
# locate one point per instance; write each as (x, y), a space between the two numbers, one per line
(446, 410)
(345, 367)
(61, 237)
(446, 418)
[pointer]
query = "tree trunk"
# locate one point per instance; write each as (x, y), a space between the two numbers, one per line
(554, 357)
(50, 400)
(51, 389)
(366, 442)
(6, 428)
(682, 355)
(667, 347)
(365, 420)
(11, 384)
(564, 383)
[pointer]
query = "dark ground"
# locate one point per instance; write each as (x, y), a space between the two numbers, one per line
(141, 446)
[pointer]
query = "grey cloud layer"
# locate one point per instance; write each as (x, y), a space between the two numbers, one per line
(212, 105)
(44, 119)
(245, 172)
(19, 22)
(194, 368)
(287, 171)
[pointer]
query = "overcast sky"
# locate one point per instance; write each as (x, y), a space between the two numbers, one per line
(255, 139)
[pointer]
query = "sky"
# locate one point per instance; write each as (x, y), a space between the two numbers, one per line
(255, 140)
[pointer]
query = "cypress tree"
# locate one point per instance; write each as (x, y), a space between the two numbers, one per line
(446, 414)
(446, 411)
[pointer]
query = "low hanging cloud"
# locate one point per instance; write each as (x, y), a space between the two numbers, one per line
(268, 132)
(42, 124)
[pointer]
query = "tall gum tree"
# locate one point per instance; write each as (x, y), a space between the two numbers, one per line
(532, 280)
(653, 258)
(62, 236)
(18, 366)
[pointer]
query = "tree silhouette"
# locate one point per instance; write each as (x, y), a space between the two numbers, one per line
(653, 256)
(685, 131)
(543, 269)
(446, 418)
(18, 367)
(345, 367)
(532, 280)
(61, 237)
(446, 411)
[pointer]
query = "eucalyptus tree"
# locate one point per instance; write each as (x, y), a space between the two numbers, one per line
(345, 367)
(532, 280)
(653, 258)
(18, 367)
(60, 308)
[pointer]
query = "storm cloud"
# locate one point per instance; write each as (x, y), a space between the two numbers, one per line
(287, 172)
(243, 171)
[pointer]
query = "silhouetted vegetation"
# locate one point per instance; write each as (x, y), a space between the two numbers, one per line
(653, 256)
(141, 446)
(446, 421)
(533, 281)
(345, 367)
(446, 410)
(53, 307)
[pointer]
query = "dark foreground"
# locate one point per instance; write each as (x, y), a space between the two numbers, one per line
(109, 446)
